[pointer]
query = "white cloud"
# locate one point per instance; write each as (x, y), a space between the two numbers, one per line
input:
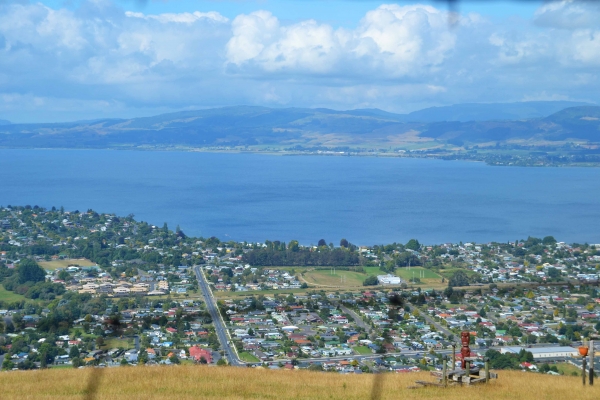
(395, 57)
(392, 39)
(407, 38)
(585, 46)
(568, 14)
(185, 18)
(250, 32)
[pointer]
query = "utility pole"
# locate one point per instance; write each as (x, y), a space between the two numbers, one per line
(591, 363)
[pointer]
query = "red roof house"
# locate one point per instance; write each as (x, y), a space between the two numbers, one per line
(197, 353)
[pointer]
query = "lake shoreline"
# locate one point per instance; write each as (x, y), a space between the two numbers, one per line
(457, 157)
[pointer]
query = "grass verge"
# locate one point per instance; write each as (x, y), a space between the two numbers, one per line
(245, 356)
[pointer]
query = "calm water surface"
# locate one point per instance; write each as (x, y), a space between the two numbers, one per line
(366, 200)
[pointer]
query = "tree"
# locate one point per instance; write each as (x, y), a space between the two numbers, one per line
(74, 352)
(344, 243)
(459, 278)
(413, 244)
(525, 356)
(64, 275)
(549, 241)
(315, 367)
(30, 271)
(7, 365)
(294, 246)
(322, 243)
(553, 272)
(550, 338)
(221, 362)
(143, 357)
(370, 281)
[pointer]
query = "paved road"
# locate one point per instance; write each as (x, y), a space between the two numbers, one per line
(357, 319)
(220, 328)
(431, 321)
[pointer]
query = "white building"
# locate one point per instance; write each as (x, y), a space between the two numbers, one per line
(388, 279)
(544, 352)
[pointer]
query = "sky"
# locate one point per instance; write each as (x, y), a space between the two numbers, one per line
(67, 60)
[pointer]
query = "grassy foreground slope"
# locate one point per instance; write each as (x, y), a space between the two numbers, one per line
(193, 382)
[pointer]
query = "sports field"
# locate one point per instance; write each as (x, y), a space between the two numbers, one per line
(115, 343)
(417, 272)
(447, 273)
(52, 265)
(337, 278)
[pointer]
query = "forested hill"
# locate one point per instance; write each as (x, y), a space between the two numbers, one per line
(248, 127)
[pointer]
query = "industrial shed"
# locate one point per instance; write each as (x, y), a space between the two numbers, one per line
(543, 352)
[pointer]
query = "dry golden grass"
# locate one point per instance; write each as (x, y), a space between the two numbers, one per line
(194, 382)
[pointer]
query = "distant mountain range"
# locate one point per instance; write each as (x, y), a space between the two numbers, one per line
(4, 122)
(491, 112)
(458, 125)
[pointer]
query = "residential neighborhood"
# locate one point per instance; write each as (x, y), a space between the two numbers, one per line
(85, 289)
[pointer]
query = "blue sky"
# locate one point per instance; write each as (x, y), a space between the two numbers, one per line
(345, 13)
(82, 59)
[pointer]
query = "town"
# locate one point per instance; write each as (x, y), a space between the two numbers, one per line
(82, 289)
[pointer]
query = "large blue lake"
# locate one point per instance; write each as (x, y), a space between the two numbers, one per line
(366, 200)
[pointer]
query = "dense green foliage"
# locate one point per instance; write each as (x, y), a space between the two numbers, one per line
(294, 256)
(508, 360)
(459, 278)
(370, 281)
(29, 280)
(30, 271)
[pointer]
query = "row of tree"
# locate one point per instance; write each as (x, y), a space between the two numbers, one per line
(295, 256)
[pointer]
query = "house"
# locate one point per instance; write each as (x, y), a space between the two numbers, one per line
(197, 353)
(151, 353)
(131, 356)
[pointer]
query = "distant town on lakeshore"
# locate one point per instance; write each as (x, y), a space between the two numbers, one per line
(536, 133)
(85, 288)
